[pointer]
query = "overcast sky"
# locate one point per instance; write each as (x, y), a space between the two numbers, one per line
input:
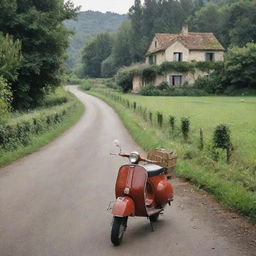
(118, 6)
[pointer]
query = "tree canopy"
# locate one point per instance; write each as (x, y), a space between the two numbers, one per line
(96, 51)
(38, 24)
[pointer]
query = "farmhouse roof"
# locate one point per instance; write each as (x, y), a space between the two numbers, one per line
(191, 40)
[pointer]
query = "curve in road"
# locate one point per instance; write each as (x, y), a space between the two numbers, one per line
(54, 201)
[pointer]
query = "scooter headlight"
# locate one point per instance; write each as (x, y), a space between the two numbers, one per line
(134, 157)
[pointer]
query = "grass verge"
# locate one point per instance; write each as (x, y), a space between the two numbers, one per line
(200, 171)
(37, 141)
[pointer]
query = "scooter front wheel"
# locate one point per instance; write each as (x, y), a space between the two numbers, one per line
(118, 228)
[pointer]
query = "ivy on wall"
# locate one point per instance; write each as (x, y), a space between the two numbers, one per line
(148, 73)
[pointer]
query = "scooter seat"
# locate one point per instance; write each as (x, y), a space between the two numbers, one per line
(153, 169)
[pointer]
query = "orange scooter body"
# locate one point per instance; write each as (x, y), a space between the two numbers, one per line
(137, 194)
(130, 187)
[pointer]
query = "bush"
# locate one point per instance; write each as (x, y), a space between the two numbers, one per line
(111, 83)
(165, 90)
(234, 91)
(212, 84)
(239, 67)
(150, 90)
(172, 122)
(5, 99)
(86, 85)
(185, 126)
(160, 119)
(124, 79)
(221, 139)
(72, 79)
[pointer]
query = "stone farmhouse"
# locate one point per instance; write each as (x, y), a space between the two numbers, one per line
(186, 46)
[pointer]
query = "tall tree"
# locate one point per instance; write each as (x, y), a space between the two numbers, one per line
(121, 49)
(39, 26)
(207, 19)
(95, 51)
(135, 15)
(10, 58)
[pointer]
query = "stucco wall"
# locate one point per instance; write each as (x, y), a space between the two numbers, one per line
(187, 78)
(159, 79)
(176, 47)
(152, 45)
(200, 55)
(136, 84)
(160, 58)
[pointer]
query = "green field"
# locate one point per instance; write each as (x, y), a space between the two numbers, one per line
(207, 112)
(233, 184)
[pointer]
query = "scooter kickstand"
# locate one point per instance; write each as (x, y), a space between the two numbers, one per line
(152, 227)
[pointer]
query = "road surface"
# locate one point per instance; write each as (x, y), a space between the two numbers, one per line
(54, 202)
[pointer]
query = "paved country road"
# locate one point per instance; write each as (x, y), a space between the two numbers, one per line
(54, 202)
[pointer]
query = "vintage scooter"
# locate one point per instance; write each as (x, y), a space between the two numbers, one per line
(141, 190)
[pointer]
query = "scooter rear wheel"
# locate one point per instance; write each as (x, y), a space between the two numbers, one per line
(118, 228)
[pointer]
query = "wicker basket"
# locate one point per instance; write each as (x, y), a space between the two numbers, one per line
(165, 158)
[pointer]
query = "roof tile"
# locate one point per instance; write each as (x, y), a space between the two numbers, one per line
(192, 40)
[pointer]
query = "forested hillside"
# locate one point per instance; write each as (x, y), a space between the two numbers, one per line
(232, 21)
(87, 25)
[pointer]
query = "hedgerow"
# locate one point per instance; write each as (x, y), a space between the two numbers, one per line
(19, 131)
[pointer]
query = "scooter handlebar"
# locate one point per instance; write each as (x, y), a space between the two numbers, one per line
(124, 155)
(140, 158)
(147, 160)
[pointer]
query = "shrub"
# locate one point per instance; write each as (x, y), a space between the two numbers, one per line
(72, 79)
(212, 84)
(221, 139)
(111, 83)
(124, 79)
(150, 90)
(86, 85)
(160, 119)
(165, 90)
(201, 140)
(5, 99)
(151, 117)
(172, 122)
(240, 66)
(19, 131)
(185, 126)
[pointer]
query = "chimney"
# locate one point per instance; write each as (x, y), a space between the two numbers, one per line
(184, 30)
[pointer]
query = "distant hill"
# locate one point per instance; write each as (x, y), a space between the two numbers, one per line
(87, 25)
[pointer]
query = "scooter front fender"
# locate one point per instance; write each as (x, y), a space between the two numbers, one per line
(124, 207)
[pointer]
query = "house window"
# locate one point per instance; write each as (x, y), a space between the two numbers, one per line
(176, 80)
(152, 59)
(155, 44)
(177, 56)
(209, 56)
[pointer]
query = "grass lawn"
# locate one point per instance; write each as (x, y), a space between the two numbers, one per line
(207, 112)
